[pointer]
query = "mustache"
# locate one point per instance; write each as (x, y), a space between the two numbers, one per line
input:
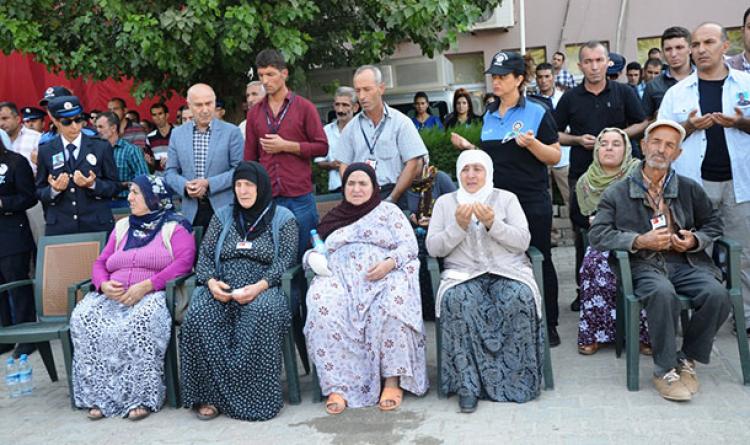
(341, 114)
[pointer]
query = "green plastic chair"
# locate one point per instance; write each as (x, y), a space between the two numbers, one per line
(536, 263)
(727, 256)
(53, 297)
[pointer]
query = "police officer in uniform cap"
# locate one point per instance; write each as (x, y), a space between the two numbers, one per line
(76, 174)
(50, 94)
(33, 118)
(16, 196)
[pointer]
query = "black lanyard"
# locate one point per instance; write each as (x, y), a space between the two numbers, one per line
(250, 230)
(376, 136)
(656, 203)
(273, 124)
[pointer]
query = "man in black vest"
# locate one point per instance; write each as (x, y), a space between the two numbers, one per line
(76, 176)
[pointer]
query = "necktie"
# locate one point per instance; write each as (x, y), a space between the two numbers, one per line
(71, 148)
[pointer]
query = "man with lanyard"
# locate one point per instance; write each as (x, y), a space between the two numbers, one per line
(587, 109)
(708, 105)
(381, 136)
(76, 174)
(284, 134)
(676, 44)
(344, 103)
(667, 222)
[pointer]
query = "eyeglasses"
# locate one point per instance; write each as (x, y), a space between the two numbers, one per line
(66, 122)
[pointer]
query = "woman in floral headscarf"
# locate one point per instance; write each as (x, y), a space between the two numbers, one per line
(121, 330)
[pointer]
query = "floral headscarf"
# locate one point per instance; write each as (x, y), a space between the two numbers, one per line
(158, 197)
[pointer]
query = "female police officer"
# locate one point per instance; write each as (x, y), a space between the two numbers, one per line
(520, 136)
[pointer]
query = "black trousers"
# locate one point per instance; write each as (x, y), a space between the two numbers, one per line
(539, 216)
(16, 305)
(204, 214)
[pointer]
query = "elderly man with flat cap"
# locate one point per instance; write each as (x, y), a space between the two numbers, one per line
(76, 174)
(667, 222)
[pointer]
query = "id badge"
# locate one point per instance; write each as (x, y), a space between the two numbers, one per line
(244, 245)
(58, 161)
(372, 163)
(659, 221)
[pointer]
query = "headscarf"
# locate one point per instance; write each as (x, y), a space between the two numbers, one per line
(474, 157)
(158, 197)
(422, 185)
(592, 184)
(346, 213)
(262, 210)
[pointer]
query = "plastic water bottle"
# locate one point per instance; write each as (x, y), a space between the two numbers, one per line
(11, 378)
(25, 376)
(318, 243)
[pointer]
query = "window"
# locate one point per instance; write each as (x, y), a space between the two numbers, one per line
(571, 57)
(467, 68)
(538, 54)
(644, 45)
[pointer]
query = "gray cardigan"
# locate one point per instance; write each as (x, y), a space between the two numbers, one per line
(624, 213)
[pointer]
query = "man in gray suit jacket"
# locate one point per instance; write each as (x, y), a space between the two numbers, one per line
(201, 157)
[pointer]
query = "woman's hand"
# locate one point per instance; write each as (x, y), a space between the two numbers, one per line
(484, 214)
(463, 215)
(525, 139)
(112, 289)
(461, 142)
(380, 269)
(247, 294)
(219, 290)
(136, 292)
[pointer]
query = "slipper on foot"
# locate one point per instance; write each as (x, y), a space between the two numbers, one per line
(335, 404)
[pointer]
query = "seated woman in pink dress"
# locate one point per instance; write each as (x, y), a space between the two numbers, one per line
(364, 317)
(120, 331)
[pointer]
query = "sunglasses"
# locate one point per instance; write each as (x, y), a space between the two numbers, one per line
(66, 122)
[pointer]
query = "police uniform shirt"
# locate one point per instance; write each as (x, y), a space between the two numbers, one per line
(516, 168)
(586, 113)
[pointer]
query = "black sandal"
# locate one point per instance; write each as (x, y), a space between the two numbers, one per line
(91, 416)
(201, 416)
(145, 413)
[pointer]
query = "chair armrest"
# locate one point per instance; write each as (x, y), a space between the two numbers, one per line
(620, 260)
(15, 284)
(73, 290)
(732, 261)
(170, 288)
(286, 282)
(434, 268)
(537, 260)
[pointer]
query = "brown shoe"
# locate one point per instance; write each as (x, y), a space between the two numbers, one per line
(670, 387)
(645, 349)
(686, 368)
(588, 349)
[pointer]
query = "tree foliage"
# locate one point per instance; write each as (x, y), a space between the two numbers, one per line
(168, 45)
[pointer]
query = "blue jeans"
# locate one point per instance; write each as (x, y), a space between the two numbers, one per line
(306, 213)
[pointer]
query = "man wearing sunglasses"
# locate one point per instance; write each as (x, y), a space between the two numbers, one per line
(76, 174)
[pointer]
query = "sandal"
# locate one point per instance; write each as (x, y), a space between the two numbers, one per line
(645, 349)
(335, 404)
(391, 394)
(588, 349)
(214, 412)
(138, 413)
(95, 414)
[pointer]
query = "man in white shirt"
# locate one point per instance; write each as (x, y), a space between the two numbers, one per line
(254, 93)
(344, 103)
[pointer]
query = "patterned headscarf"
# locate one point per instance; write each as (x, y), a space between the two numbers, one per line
(592, 184)
(158, 197)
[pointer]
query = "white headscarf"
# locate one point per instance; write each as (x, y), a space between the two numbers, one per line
(474, 157)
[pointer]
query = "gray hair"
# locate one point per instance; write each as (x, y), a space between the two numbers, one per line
(199, 86)
(375, 71)
(254, 83)
(592, 44)
(348, 92)
(722, 29)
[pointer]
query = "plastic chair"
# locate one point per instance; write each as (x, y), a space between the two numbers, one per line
(53, 297)
(536, 263)
(727, 256)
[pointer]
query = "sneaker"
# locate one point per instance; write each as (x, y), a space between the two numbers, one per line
(670, 387)
(686, 368)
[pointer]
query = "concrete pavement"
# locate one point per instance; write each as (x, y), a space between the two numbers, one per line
(589, 405)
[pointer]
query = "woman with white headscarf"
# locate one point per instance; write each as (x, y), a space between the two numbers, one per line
(488, 302)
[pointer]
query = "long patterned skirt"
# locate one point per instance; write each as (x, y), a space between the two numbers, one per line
(598, 301)
(492, 340)
(118, 353)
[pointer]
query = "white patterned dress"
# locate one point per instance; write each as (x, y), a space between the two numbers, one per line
(358, 331)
